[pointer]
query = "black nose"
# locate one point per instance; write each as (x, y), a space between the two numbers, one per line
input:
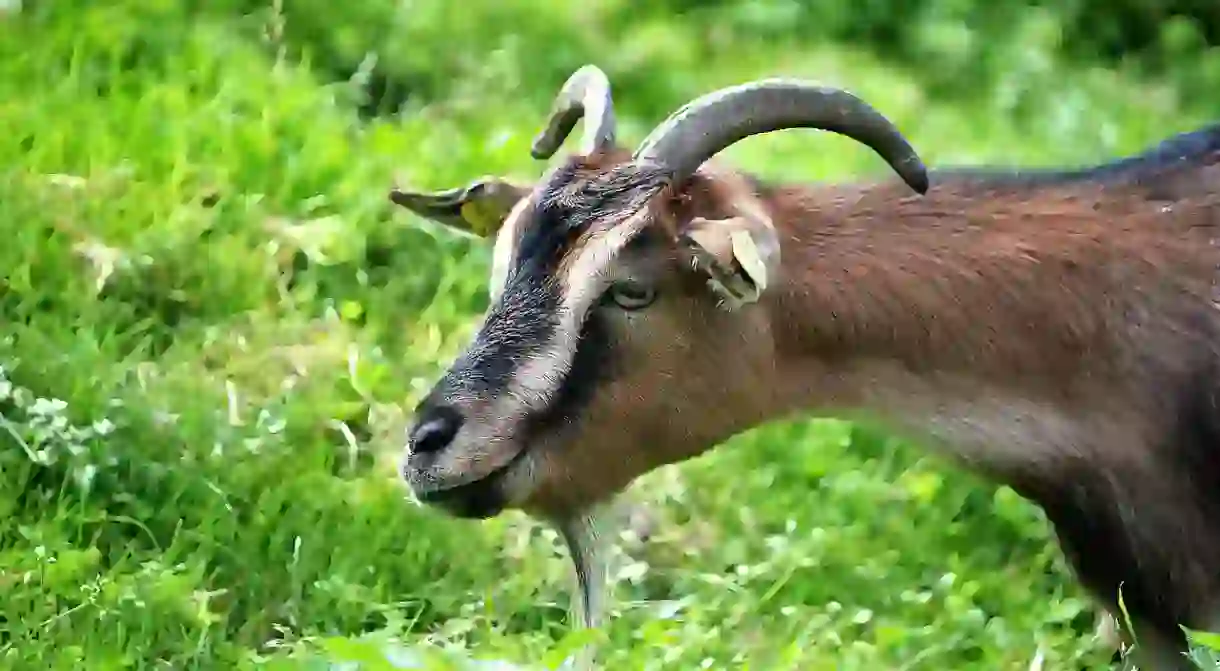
(434, 429)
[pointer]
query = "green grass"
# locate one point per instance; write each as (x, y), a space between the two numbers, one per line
(201, 262)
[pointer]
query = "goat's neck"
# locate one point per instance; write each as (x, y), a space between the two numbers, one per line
(968, 335)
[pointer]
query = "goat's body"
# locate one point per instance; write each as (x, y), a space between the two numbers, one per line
(1057, 330)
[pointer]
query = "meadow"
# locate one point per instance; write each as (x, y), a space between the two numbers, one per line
(215, 324)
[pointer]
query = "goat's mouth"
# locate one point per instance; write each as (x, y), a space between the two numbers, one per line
(481, 499)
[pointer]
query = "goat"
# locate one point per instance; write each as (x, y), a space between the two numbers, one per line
(1055, 330)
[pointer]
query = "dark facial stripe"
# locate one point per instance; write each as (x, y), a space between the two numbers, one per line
(592, 365)
(524, 319)
(569, 208)
(516, 328)
(595, 361)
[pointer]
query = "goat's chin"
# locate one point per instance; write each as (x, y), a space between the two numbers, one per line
(490, 495)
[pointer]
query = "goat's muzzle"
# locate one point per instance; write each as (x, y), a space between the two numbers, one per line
(432, 434)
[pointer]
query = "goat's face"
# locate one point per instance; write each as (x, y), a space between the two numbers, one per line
(622, 322)
(603, 343)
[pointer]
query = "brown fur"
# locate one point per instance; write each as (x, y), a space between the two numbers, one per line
(1030, 289)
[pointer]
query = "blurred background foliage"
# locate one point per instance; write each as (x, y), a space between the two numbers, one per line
(215, 325)
(404, 50)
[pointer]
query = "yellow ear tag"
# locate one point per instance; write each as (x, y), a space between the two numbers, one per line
(745, 250)
(481, 216)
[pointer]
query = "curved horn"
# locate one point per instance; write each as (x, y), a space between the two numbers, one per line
(585, 94)
(710, 123)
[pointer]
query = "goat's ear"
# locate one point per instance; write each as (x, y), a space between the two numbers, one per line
(479, 208)
(740, 255)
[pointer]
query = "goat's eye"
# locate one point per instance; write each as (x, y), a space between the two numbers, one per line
(631, 295)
